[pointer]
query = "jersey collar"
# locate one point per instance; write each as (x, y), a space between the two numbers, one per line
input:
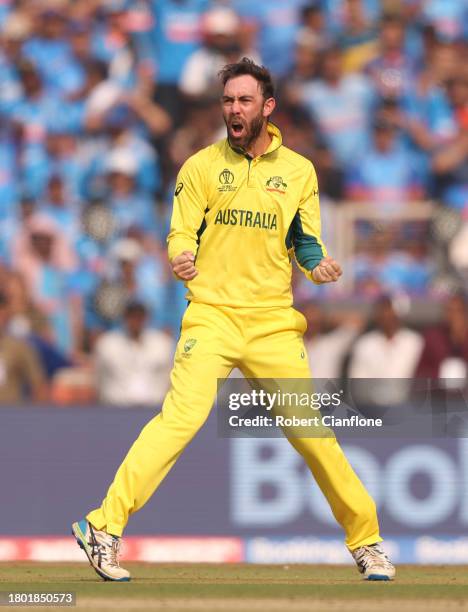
(276, 141)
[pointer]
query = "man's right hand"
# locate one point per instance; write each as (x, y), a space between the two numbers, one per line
(183, 266)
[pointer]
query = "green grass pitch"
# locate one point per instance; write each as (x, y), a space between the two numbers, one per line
(246, 588)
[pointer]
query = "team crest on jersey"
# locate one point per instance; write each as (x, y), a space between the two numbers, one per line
(226, 178)
(189, 344)
(276, 183)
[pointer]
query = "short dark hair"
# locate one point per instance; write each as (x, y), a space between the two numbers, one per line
(248, 66)
(135, 308)
(391, 19)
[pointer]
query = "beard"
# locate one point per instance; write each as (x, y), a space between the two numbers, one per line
(250, 132)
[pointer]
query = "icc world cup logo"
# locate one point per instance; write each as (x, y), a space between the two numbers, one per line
(226, 177)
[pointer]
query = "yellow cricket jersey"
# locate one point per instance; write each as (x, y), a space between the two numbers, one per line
(243, 218)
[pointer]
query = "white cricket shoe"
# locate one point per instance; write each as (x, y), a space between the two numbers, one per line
(373, 563)
(102, 550)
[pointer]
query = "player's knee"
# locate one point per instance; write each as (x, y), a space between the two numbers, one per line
(171, 428)
(186, 420)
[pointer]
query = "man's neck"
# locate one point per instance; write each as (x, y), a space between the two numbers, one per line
(135, 336)
(390, 332)
(260, 145)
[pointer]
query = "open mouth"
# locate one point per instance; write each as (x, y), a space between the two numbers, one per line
(237, 128)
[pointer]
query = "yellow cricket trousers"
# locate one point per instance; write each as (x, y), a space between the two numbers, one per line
(262, 343)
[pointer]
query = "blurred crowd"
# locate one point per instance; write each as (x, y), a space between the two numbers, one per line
(101, 101)
(387, 344)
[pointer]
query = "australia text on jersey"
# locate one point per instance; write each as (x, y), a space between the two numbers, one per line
(247, 218)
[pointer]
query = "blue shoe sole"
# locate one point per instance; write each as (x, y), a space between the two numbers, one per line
(375, 577)
(78, 535)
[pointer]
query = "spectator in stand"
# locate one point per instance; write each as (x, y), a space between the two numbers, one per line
(358, 38)
(129, 206)
(274, 25)
(314, 25)
(176, 37)
(301, 135)
(133, 274)
(421, 40)
(109, 106)
(393, 68)
(341, 105)
(124, 121)
(31, 118)
(143, 277)
(21, 373)
(49, 49)
(36, 109)
(63, 157)
(123, 41)
(222, 45)
(111, 36)
(12, 224)
(390, 350)
(337, 14)
(450, 162)
(97, 92)
(47, 262)
(14, 31)
(91, 246)
(430, 120)
(387, 173)
(27, 323)
(58, 206)
(388, 262)
(124, 141)
(328, 340)
(299, 131)
(290, 89)
(133, 364)
(445, 351)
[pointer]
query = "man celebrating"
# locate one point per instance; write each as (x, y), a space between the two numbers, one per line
(242, 207)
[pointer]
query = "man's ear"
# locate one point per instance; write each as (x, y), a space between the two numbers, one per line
(269, 107)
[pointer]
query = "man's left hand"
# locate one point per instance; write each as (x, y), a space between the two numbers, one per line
(328, 271)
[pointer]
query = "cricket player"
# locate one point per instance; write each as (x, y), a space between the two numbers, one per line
(242, 208)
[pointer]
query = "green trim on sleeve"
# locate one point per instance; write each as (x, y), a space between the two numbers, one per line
(202, 227)
(307, 248)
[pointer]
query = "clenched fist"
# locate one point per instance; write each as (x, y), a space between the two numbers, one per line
(328, 271)
(183, 266)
